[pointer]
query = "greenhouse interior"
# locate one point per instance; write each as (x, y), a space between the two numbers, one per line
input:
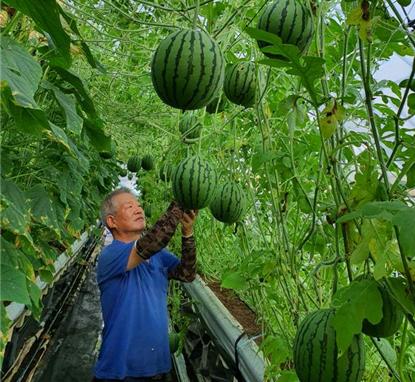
(207, 190)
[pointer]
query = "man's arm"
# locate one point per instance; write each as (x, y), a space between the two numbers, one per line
(157, 237)
(186, 270)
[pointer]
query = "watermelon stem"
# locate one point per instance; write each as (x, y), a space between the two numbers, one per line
(196, 14)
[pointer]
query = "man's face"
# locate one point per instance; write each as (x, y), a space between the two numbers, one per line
(129, 216)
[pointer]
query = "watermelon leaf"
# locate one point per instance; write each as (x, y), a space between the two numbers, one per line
(14, 215)
(400, 292)
(68, 105)
(352, 308)
(13, 285)
(42, 208)
(234, 280)
(45, 13)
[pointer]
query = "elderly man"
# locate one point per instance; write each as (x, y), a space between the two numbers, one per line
(133, 273)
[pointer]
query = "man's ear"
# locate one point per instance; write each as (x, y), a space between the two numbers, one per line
(110, 221)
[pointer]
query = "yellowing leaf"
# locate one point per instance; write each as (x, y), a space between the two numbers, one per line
(355, 16)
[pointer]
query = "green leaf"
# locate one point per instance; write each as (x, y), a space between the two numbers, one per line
(97, 136)
(352, 308)
(35, 295)
(42, 208)
(261, 157)
(85, 49)
(360, 253)
(234, 280)
(410, 177)
(58, 135)
(20, 71)
(14, 214)
(400, 291)
(276, 46)
(411, 103)
(275, 349)
(13, 285)
(288, 376)
(405, 221)
(80, 91)
(68, 105)
(387, 350)
(46, 14)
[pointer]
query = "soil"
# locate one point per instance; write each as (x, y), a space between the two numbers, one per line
(239, 310)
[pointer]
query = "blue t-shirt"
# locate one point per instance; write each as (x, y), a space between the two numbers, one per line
(134, 306)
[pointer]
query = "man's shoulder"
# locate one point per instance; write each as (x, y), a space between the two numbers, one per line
(113, 248)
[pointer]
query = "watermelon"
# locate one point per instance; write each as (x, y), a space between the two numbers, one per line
(194, 181)
(240, 83)
(147, 210)
(316, 353)
(187, 69)
(147, 163)
(165, 173)
(229, 203)
(134, 163)
(123, 172)
(290, 20)
(217, 105)
(391, 319)
(174, 342)
(108, 154)
(190, 128)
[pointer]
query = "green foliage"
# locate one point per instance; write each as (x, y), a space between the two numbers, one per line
(352, 308)
(326, 155)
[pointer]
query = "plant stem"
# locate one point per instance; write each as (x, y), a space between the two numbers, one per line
(196, 15)
(398, 141)
(368, 100)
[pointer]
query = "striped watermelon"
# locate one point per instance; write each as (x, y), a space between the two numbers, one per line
(291, 20)
(229, 203)
(217, 105)
(147, 163)
(123, 172)
(194, 181)
(134, 163)
(392, 316)
(190, 128)
(187, 69)
(165, 173)
(147, 210)
(316, 354)
(240, 83)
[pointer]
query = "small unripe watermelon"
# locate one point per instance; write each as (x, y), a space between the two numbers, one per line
(291, 20)
(391, 319)
(187, 69)
(194, 181)
(229, 203)
(217, 105)
(147, 162)
(147, 210)
(123, 172)
(134, 163)
(240, 83)
(174, 342)
(316, 357)
(165, 173)
(190, 127)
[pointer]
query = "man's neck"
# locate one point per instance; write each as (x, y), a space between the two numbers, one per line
(126, 237)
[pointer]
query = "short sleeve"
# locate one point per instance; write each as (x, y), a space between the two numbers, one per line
(168, 260)
(113, 261)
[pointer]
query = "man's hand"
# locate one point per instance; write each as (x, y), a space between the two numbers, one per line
(187, 221)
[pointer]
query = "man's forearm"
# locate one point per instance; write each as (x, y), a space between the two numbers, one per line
(186, 270)
(160, 234)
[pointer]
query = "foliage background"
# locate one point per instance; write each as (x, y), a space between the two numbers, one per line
(327, 156)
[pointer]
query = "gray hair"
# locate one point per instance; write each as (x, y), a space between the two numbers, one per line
(108, 207)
